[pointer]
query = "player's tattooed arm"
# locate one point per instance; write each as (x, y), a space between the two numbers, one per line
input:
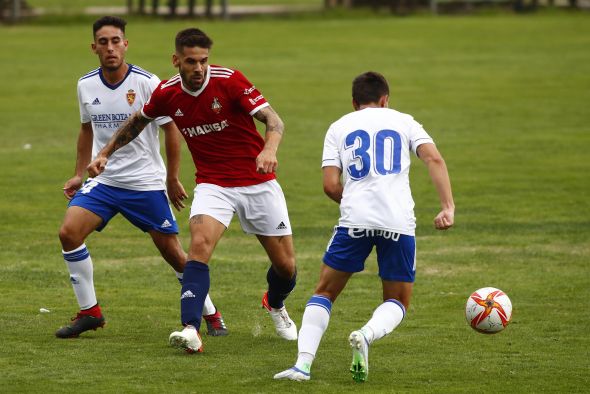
(271, 119)
(266, 162)
(124, 135)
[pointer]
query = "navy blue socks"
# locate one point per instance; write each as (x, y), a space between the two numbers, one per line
(195, 286)
(278, 288)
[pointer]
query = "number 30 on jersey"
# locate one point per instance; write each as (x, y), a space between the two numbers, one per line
(382, 153)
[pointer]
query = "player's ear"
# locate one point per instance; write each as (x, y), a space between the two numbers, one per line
(384, 101)
(175, 60)
(355, 105)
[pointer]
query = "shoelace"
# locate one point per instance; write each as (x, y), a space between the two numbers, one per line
(285, 316)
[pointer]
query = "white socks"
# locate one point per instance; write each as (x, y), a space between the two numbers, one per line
(385, 319)
(208, 307)
(316, 317)
(81, 275)
(313, 325)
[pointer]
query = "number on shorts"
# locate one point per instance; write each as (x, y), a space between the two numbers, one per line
(88, 186)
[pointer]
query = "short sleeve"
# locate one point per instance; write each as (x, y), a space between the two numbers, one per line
(418, 136)
(250, 98)
(155, 106)
(84, 115)
(331, 154)
(154, 82)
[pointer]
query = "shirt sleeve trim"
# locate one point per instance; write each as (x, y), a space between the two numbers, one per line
(259, 108)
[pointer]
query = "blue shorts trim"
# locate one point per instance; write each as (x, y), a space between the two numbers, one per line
(146, 210)
(396, 253)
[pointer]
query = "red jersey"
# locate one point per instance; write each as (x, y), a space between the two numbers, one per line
(216, 122)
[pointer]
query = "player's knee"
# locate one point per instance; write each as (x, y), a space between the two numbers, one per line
(200, 244)
(69, 239)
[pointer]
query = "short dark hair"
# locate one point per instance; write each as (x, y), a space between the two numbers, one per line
(109, 21)
(191, 38)
(369, 87)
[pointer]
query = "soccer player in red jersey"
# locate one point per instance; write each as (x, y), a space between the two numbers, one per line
(213, 108)
(139, 188)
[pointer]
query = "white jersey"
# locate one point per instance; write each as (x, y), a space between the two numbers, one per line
(372, 147)
(138, 165)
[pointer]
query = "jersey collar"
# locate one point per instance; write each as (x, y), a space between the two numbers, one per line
(205, 83)
(115, 86)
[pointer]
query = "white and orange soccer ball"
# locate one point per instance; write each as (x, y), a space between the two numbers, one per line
(488, 310)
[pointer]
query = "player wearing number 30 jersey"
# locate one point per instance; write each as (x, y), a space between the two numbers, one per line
(366, 162)
(368, 145)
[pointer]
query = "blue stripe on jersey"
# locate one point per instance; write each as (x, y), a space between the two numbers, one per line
(140, 73)
(140, 70)
(90, 74)
(78, 255)
(393, 300)
(114, 87)
(321, 301)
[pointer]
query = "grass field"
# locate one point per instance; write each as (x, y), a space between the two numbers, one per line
(505, 97)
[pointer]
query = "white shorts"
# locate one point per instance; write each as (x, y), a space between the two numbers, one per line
(261, 208)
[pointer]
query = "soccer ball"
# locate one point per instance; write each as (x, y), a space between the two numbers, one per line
(488, 310)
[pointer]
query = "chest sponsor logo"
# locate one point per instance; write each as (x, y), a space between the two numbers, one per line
(108, 121)
(216, 106)
(255, 100)
(130, 97)
(204, 129)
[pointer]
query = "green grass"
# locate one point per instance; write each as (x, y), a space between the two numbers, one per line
(505, 97)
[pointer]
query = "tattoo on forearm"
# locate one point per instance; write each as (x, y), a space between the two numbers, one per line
(272, 120)
(129, 130)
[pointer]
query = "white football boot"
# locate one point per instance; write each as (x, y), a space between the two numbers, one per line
(360, 356)
(293, 373)
(284, 326)
(187, 339)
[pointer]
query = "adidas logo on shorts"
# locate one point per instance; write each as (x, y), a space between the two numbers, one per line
(165, 224)
(281, 226)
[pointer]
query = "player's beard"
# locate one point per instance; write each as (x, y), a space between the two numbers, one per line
(112, 67)
(189, 83)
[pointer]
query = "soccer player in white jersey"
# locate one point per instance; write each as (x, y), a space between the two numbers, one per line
(134, 183)
(366, 162)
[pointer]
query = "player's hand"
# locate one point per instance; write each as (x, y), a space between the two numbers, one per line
(445, 219)
(266, 162)
(176, 193)
(71, 186)
(96, 166)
